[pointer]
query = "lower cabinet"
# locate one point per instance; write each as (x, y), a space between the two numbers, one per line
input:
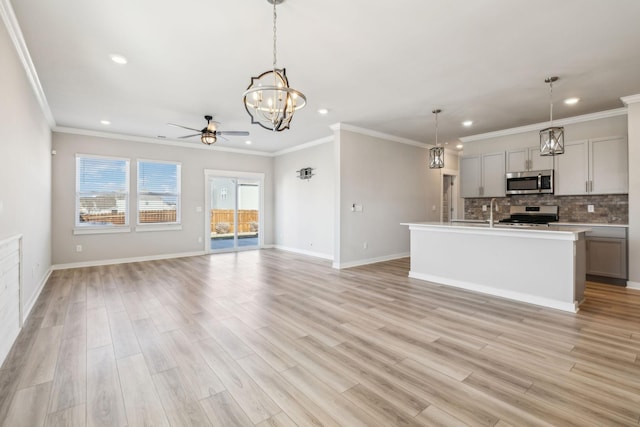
(607, 252)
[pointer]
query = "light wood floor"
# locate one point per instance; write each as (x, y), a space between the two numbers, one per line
(270, 338)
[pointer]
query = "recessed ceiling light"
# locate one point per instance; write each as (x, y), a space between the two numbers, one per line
(459, 146)
(118, 59)
(467, 123)
(248, 142)
(105, 122)
(571, 101)
(323, 111)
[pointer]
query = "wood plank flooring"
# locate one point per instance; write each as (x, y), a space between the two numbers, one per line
(270, 338)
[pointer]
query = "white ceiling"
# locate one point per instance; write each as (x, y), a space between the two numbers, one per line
(380, 65)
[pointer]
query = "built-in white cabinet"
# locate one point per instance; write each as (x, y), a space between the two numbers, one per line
(483, 175)
(9, 294)
(594, 166)
(527, 159)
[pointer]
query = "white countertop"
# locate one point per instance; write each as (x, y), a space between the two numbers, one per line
(591, 224)
(556, 232)
(568, 224)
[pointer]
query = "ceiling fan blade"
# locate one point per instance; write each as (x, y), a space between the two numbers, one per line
(189, 136)
(221, 137)
(233, 132)
(183, 127)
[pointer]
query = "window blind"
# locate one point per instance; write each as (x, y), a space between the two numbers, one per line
(158, 192)
(102, 191)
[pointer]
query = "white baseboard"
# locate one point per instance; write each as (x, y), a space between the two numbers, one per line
(124, 260)
(633, 285)
(350, 264)
(26, 309)
(304, 252)
(497, 292)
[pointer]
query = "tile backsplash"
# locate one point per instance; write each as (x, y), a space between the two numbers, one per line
(608, 209)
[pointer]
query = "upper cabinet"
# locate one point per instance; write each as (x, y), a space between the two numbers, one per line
(483, 175)
(595, 166)
(527, 159)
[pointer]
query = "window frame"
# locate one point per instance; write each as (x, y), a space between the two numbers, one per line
(160, 226)
(80, 228)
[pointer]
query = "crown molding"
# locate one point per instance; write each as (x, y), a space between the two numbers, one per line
(305, 145)
(160, 141)
(368, 132)
(632, 99)
(537, 126)
(15, 33)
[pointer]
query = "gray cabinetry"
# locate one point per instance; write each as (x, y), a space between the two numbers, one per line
(595, 166)
(607, 252)
(483, 175)
(527, 159)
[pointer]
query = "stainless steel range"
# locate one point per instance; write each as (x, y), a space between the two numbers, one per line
(531, 215)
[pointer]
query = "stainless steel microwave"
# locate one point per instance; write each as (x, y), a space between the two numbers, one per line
(530, 182)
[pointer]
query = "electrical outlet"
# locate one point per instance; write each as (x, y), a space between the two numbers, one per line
(590, 208)
(484, 208)
(199, 239)
(78, 248)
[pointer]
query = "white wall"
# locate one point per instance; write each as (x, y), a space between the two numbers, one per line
(393, 184)
(25, 175)
(103, 247)
(634, 193)
(304, 208)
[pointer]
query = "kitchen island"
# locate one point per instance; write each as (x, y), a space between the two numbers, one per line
(545, 266)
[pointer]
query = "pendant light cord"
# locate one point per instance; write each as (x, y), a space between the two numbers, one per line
(275, 16)
(436, 128)
(550, 102)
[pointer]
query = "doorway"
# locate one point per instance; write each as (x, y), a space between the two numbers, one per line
(449, 197)
(234, 211)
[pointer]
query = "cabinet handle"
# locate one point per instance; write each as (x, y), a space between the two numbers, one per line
(591, 186)
(586, 186)
(481, 189)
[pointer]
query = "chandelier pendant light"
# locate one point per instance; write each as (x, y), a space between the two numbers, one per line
(269, 99)
(551, 138)
(436, 153)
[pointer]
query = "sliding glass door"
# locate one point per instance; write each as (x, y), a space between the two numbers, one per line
(234, 213)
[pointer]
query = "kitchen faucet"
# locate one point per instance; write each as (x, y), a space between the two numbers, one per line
(491, 213)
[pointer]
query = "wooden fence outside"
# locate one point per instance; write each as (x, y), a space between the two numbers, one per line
(221, 219)
(117, 218)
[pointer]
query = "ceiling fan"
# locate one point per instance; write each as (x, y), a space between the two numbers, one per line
(209, 134)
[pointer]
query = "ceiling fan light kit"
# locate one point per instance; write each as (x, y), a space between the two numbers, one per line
(269, 100)
(436, 153)
(551, 138)
(209, 134)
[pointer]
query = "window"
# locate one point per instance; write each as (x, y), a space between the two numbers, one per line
(102, 191)
(158, 192)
